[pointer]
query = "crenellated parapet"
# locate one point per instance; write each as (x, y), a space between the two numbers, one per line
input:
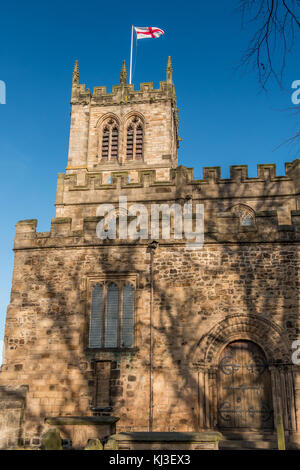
(180, 175)
(181, 179)
(124, 92)
(238, 173)
(221, 227)
(79, 194)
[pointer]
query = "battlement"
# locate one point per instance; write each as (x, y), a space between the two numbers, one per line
(124, 92)
(142, 178)
(220, 227)
(79, 195)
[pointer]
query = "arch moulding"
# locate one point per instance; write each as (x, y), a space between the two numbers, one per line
(269, 336)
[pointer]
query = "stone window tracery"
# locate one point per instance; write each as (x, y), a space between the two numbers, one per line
(246, 215)
(112, 315)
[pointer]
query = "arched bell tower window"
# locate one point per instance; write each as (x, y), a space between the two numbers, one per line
(135, 139)
(110, 140)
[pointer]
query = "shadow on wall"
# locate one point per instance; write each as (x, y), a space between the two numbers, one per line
(234, 274)
(1, 351)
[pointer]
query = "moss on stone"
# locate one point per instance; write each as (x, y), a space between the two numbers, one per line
(51, 440)
(93, 444)
(111, 444)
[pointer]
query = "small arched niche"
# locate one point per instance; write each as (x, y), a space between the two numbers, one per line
(245, 214)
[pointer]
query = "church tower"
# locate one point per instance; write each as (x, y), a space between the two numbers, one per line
(142, 339)
(126, 130)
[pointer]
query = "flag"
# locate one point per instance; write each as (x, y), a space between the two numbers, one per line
(148, 32)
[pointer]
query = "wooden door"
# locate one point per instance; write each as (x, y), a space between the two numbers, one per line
(244, 388)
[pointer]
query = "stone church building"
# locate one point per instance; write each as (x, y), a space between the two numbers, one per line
(136, 337)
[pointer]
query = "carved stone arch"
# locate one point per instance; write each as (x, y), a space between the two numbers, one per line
(130, 115)
(105, 117)
(271, 339)
(245, 213)
(266, 334)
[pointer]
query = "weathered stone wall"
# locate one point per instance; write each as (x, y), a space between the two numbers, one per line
(47, 324)
(46, 331)
(12, 407)
(251, 271)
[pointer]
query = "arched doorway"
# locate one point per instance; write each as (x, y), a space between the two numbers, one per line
(244, 388)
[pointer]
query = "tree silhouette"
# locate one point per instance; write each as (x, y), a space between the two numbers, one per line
(277, 23)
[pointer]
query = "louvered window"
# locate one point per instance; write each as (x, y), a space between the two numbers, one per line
(129, 148)
(139, 142)
(135, 139)
(110, 141)
(114, 143)
(112, 315)
(105, 143)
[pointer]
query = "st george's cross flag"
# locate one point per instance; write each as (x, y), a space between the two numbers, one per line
(148, 32)
(143, 32)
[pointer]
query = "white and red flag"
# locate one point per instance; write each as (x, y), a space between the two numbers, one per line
(148, 32)
(143, 32)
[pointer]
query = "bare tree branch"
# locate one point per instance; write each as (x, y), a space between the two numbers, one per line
(274, 38)
(294, 141)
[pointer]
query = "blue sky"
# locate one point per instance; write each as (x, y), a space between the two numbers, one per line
(224, 118)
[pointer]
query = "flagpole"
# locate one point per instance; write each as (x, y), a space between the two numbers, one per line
(130, 74)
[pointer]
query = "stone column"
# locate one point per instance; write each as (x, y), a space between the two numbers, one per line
(213, 396)
(276, 393)
(201, 397)
(291, 398)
